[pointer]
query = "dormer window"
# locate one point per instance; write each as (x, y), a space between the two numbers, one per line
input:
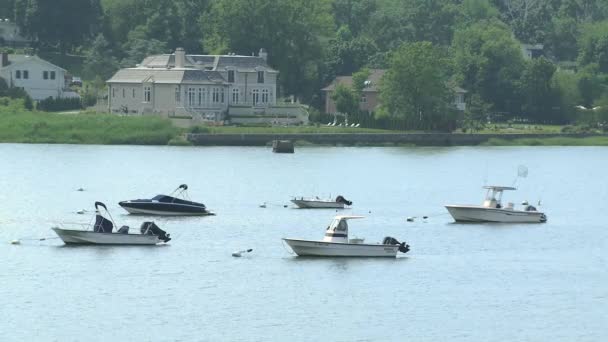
(231, 76)
(260, 77)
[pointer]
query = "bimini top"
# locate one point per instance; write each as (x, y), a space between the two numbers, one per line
(347, 217)
(499, 188)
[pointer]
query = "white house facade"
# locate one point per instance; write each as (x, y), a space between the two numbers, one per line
(205, 87)
(39, 78)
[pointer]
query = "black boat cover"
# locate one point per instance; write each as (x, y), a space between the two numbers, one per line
(102, 225)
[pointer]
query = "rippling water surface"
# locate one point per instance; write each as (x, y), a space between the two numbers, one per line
(460, 282)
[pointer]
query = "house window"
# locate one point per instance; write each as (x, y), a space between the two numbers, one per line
(113, 92)
(256, 96)
(18, 74)
(204, 100)
(222, 91)
(235, 95)
(191, 97)
(216, 95)
(147, 94)
(264, 95)
(26, 74)
(363, 99)
(260, 77)
(133, 92)
(45, 75)
(177, 95)
(200, 96)
(231, 76)
(52, 75)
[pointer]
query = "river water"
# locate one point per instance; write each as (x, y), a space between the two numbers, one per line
(459, 282)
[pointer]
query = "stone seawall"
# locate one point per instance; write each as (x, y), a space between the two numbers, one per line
(418, 139)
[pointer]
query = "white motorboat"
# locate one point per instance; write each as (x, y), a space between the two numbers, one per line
(318, 203)
(337, 244)
(492, 210)
(102, 233)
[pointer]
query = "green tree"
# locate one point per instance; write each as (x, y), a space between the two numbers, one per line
(359, 79)
(594, 45)
(354, 14)
(291, 31)
(414, 87)
(539, 96)
(60, 24)
(100, 61)
(476, 114)
(346, 54)
(345, 99)
(488, 62)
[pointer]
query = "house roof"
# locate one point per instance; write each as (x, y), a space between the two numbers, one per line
(166, 76)
(16, 60)
(374, 81)
(209, 62)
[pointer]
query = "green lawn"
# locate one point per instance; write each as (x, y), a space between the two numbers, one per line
(39, 127)
(520, 129)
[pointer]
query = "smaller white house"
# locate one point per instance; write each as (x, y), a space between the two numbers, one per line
(39, 78)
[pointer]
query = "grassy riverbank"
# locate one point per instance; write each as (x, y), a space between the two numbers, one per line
(19, 126)
(553, 141)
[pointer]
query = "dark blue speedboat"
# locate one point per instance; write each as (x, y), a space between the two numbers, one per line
(167, 205)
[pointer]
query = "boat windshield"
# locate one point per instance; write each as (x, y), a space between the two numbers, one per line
(338, 225)
(493, 198)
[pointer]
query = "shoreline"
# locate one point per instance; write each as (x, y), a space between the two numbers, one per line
(400, 139)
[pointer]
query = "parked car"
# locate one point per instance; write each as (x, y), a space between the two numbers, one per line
(76, 81)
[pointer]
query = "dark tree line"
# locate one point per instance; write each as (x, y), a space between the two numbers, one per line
(474, 44)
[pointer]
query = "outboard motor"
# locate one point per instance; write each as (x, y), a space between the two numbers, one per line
(151, 228)
(403, 247)
(341, 199)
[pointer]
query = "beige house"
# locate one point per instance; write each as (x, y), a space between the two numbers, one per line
(370, 98)
(202, 88)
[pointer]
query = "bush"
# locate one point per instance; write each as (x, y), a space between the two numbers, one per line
(54, 105)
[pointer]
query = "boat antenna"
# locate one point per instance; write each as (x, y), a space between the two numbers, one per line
(522, 172)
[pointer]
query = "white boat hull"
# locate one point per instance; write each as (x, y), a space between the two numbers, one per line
(82, 237)
(463, 213)
(312, 204)
(137, 211)
(333, 249)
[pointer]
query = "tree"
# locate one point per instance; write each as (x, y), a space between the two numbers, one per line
(488, 62)
(476, 114)
(359, 79)
(594, 45)
(414, 87)
(345, 99)
(354, 14)
(138, 47)
(100, 61)
(346, 54)
(61, 24)
(539, 96)
(291, 31)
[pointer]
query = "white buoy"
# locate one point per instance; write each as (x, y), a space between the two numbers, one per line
(263, 205)
(81, 211)
(239, 254)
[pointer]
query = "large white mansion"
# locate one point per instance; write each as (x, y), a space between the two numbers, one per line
(202, 87)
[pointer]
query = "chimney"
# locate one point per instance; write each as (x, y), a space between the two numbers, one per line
(263, 54)
(4, 58)
(180, 58)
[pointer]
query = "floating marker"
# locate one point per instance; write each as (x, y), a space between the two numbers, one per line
(80, 189)
(239, 253)
(15, 242)
(410, 219)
